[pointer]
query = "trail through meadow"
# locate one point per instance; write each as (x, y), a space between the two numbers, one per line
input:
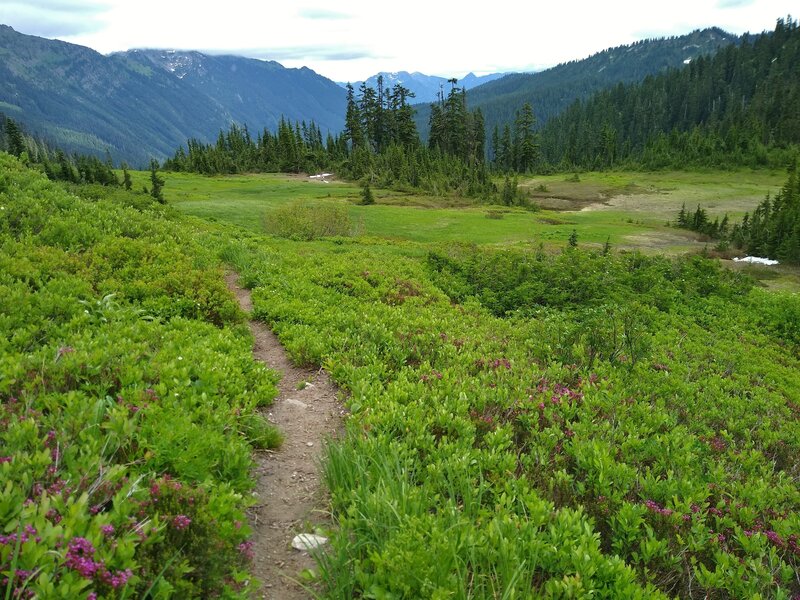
(291, 497)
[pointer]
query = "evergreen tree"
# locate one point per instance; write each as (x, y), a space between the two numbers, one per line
(156, 183)
(352, 121)
(126, 178)
(526, 149)
(367, 197)
(573, 239)
(16, 140)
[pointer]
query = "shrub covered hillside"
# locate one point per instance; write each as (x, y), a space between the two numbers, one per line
(529, 425)
(127, 397)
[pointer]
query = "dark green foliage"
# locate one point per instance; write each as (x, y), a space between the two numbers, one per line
(552, 91)
(54, 162)
(156, 183)
(510, 190)
(15, 141)
(572, 242)
(294, 148)
(126, 178)
(456, 131)
(380, 143)
(510, 281)
(773, 230)
(738, 107)
(367, 197)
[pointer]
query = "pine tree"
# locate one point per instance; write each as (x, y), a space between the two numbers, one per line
(16, 141)
(126, 178)
(573, 239)
(526, 149)
(682, 221)
(156, 183)
(367, 198)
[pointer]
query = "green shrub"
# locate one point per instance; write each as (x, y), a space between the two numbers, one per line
(128, 397)
(309, 220)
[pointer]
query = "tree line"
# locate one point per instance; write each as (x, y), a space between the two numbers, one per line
(74, 168)
(380, 145)
(771, 231)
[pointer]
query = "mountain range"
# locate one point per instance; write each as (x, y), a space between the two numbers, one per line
(140, 104)
(145, 103)
(426, 88)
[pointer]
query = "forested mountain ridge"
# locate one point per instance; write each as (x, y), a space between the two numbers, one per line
(738, 107)
(86, 102)
(255, 92)
(426, 88)
(553, 90)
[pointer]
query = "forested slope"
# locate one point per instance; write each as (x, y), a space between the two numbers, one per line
(738, 107)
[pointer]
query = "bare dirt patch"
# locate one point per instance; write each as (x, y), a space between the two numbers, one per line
(291, 497)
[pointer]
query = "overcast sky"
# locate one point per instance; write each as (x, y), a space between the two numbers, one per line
(349, 40)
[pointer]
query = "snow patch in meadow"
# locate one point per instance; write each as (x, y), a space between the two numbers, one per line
(757, 260)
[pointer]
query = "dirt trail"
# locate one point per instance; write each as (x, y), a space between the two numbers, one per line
(291, 498)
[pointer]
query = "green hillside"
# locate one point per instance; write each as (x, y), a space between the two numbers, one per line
(553, 90)
(740, 106)
(136, 109)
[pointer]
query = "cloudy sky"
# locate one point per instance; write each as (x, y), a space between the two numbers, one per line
(349, 40)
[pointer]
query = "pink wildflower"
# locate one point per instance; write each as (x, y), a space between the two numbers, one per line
(181, 522)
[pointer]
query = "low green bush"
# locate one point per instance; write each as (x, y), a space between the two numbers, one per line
(304, 220)
(128, 397)
(554, 426)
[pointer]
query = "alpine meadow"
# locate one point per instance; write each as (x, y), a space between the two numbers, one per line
(549, 326)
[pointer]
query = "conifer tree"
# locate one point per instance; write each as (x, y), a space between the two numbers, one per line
(126, 178)
(156, 183)
(573, 239)
(367, 198)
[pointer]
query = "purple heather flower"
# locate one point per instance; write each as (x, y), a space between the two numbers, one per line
(246, 549)
(181, 522)
(80, 557)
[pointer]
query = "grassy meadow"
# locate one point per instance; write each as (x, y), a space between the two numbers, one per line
(630, 208)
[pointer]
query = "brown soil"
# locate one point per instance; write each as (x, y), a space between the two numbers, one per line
(289, 491)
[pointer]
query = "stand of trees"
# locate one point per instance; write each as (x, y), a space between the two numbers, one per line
(518, 153)
(380, 144)
(740, 106)
(56, 164)
(772, 231)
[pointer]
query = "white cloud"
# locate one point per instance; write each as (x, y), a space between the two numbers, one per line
(358, 37)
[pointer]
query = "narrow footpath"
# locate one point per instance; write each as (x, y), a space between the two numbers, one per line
(289, 490)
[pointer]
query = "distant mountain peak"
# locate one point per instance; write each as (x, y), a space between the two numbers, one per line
(425, 87)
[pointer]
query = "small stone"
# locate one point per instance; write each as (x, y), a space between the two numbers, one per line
(296, 403)
(309, 444)
(308, 541)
